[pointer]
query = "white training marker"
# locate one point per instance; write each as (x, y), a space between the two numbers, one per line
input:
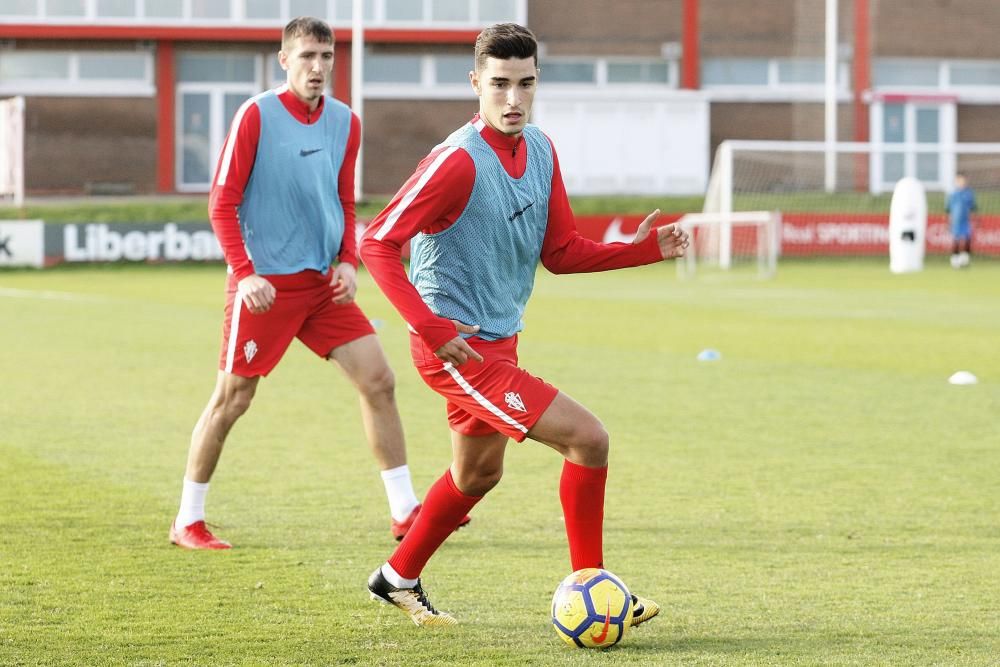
(962, 377)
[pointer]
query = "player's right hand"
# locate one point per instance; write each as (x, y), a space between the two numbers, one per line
(257, 293)
(456, 351)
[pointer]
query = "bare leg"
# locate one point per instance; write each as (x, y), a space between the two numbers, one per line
(477, 463)
(573, 431)
(229, 401)
(364, 363)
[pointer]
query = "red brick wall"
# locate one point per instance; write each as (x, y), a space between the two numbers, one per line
(71, 142)
(605, 27)
(399, 133)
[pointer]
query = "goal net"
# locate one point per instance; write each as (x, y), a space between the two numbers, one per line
(834, 199)
(12, 151)
(739, 240)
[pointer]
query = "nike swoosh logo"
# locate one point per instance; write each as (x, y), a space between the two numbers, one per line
(518, 214)
(304, 152)
(599, 639)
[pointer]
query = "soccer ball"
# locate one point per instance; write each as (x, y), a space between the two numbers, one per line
(591, 608)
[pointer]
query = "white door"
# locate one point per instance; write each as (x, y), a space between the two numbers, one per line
(204, 113)
(913, 135)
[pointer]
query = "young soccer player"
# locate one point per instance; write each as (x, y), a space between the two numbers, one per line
(483, 208)
(282, 206)
(960, 205)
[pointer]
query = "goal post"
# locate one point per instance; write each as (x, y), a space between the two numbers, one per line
(834, 197)
(732, 240)
(12, 150)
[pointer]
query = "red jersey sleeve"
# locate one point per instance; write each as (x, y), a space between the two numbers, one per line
(564, 250)
(345, 187)
(231, 176)
(430, 201)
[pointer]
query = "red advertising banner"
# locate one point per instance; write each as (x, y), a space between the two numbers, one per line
(830, 234)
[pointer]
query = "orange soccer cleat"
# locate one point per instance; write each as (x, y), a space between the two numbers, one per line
(401, 528)
(196, 536)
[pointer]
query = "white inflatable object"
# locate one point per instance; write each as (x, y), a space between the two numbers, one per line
(963, 377)
(907, 226)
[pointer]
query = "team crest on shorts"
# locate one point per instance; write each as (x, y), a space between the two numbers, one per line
(250, 350)
(514, 401)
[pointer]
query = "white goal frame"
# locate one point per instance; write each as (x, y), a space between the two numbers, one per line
(12, 150)
(835, 159)
(711, 239)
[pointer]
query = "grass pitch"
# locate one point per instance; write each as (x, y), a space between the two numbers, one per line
(820, 495)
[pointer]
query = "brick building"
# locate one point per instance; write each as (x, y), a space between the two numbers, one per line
(136, 95)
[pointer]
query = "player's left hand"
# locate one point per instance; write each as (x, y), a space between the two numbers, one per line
(344, 282)
(673, 240)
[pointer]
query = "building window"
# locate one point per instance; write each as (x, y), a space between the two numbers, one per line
(975, 74)
(568, 72)
(771, 79)
(608, 71)
(345, 10)
(735, 72)
(116, 8)
(893, 73)
(217, 67)
(451, 10)
(496, 11)
(802, 71)
(21, 8)
(74, 73)
(65, 8)
(403, 10)
(263, 9)
(638, 72)
(426, 13)
(113, 66)
(306, 8)
(392, 68)
(452, 69)
(33, 65)
(165, 9)
(209, 9)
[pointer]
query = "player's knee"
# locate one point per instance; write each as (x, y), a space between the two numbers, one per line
(592, 442)
(237, 399)
(479, 481)
(379, 385)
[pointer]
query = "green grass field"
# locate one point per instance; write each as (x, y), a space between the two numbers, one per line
(820, 496)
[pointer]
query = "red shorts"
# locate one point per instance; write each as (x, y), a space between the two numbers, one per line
(494, 396)
(253, 345)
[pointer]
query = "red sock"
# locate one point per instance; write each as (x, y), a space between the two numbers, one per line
(581, 491)
(444, 507)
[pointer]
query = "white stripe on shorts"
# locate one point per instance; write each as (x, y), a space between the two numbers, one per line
(234, 330)
(482, 400)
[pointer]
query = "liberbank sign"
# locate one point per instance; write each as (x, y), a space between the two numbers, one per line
(35, 243)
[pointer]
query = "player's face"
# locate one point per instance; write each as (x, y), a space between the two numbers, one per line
(309, 63)
(506, 90)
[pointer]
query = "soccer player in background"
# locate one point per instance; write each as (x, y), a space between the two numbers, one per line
(960, 205)
(282, 206)
(482, 209)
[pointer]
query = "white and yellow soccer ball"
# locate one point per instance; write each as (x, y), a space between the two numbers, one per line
(592, 608)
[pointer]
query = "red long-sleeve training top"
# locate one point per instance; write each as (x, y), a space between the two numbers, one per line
(236, 163)
(434, 197)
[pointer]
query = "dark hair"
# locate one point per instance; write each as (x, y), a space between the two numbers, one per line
(302, 26)
(505, 41)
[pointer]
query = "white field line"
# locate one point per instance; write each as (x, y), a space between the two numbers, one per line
(49, 295)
